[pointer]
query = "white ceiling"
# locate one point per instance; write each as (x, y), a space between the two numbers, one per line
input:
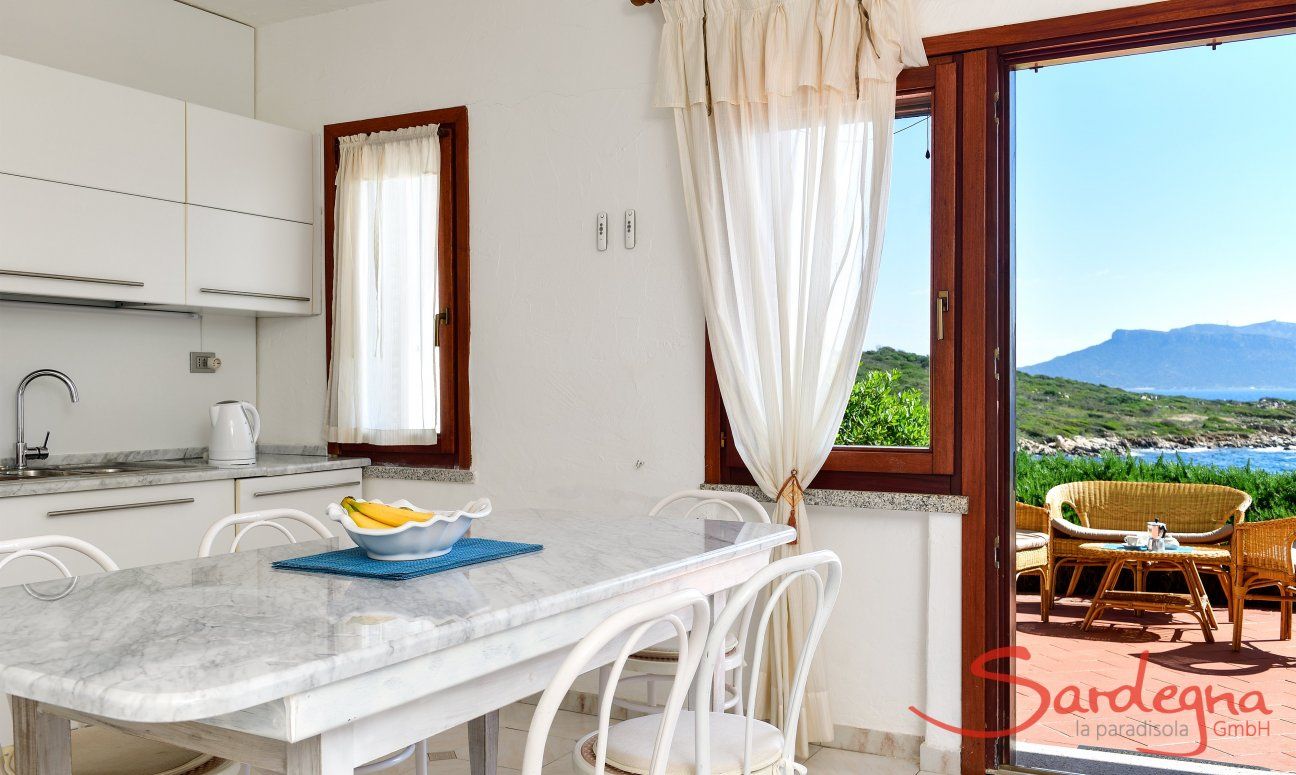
(259, 13)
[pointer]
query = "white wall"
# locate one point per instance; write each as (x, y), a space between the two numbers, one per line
(131, 367)
(586, 364)
(156, 45)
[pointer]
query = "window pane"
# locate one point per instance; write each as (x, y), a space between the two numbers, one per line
(890, 404)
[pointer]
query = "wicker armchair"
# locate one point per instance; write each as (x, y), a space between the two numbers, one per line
(1264, 555)
(1200, 514)
(1033, 550)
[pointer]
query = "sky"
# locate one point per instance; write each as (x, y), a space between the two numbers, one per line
(1151, 191)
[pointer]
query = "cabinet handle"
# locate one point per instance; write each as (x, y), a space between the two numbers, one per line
(307, 488)
(118, 507)
(226, 292)
(72, 277)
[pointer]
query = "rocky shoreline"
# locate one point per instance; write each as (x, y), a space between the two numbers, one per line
(1097, 445)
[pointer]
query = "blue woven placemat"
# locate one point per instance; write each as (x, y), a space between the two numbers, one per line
(354, 562)
(1129, 548)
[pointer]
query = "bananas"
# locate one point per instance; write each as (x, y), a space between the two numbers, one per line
(377, 516)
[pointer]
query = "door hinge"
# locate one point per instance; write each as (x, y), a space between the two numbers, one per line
(996, 364)
(722, 439)
(996, 107)
(442, 320)
(996, 552)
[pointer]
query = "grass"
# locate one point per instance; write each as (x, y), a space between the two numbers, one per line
(1273, 494)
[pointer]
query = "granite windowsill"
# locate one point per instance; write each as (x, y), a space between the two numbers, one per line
(418, 474)
(862, 499)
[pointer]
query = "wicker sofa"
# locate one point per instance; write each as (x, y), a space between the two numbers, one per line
(1203, 514)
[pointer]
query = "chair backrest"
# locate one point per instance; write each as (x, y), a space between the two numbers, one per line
(1185, 508)
(269, 518)
(1030, 517)
(820, 577)
(726, 505)
(657, 616)
(38, 547)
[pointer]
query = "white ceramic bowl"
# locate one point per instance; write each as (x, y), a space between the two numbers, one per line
(413, 540)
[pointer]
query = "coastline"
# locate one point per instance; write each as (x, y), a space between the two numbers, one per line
(1097, 445)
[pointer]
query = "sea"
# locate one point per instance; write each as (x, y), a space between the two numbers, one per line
(1265, 459)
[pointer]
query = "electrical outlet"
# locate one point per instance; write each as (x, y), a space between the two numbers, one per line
(203, 363)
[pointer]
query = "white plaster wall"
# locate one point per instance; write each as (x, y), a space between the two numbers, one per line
(586, 364)
(160, 46)
(131, 367)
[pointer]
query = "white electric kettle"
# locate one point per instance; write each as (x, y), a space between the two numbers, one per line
(235, 426)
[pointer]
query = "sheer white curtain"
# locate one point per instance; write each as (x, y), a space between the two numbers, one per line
(783, 111)
(384, 381)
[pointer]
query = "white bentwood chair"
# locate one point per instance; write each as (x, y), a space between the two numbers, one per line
(247, 521)
(655, 664)
(641, 621)
(96, 743)
(716, 743)
(274, 519)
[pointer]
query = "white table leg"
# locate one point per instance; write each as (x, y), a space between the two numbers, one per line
(42, 743)
(327, 754)
(483, 744)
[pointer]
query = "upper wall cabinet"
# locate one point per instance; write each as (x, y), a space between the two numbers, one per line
(68, 128)
(249, 166)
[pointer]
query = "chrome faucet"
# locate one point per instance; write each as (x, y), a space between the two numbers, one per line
(40, 451)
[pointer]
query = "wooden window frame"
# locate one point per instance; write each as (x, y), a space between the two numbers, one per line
(921, 469)
(454, 443)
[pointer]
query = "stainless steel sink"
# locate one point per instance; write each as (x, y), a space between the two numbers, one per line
(30, 473)
(100, 469)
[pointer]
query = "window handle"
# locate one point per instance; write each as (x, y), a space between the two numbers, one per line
(442, 319)
(942, 306)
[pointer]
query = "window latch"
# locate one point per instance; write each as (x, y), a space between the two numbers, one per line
(442, 319)
(942, 306)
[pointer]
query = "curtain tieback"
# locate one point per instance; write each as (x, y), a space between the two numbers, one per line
(793, 493)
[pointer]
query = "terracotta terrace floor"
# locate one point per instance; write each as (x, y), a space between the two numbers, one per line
(1108, 657)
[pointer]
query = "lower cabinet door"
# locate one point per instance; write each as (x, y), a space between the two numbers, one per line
(311, 493)
(134, 525)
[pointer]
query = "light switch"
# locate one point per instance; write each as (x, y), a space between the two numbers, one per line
(630, 229)
(601, 233)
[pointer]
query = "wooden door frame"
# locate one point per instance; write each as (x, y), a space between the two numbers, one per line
(986, 359)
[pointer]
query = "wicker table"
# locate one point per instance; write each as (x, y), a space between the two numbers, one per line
(1186, 559)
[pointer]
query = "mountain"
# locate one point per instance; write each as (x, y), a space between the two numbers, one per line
(1203, 356)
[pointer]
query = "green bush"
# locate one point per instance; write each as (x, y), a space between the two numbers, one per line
(883, 413)
(1273, 494)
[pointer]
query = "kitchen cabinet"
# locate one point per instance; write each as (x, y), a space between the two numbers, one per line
(310, 492)
(248, 166)
(60, 126)
(247, 262)
(134, 525)
(70, 241)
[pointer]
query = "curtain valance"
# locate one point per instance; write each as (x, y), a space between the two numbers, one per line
(753, 49)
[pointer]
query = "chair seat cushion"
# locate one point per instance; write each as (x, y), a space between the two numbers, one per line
(1064, 528)
(630, 745)
(101, 751)
(666, 651)
(1030, 539)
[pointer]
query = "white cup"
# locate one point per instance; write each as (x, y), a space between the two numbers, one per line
(1137, 540)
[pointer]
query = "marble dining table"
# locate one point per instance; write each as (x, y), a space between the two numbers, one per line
(306, 674)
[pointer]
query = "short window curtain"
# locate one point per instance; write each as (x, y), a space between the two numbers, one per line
(384, 374)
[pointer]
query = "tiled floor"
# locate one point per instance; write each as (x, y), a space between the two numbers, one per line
(449, 751)
(1108, 657)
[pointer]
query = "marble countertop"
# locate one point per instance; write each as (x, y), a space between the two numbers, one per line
(266, 465)
(864, 499)
(200, 638)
